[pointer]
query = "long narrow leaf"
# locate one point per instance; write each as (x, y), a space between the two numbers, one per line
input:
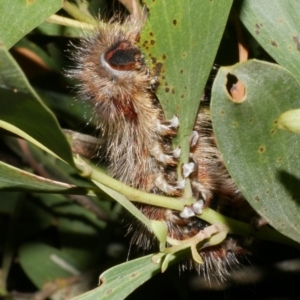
(181, 40)
(22, 108)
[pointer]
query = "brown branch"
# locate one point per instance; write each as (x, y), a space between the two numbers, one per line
(242, 48)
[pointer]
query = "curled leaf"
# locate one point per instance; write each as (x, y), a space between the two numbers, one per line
(290, 121)
(160, 231)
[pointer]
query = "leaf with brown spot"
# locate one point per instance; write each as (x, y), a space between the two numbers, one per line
(187, 35)
(120, 281)
(278, 26)
(263, 160)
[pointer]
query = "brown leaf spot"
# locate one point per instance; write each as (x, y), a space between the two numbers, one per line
(273, 43)
(297, 42)
(109, 291)
(257, 29)
(174, 22)
(158, 69)
(262, 149)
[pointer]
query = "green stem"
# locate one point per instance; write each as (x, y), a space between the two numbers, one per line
(139, 196)
(245, 229)
(208, 215)
(55, 19)
(77, 14)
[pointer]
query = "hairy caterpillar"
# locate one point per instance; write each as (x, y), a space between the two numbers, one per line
(136, 142)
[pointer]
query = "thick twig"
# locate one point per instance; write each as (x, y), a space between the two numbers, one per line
(243, 50)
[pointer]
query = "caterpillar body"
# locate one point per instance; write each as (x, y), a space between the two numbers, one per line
(136, 142)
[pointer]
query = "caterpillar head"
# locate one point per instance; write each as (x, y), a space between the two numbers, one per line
(111, 71)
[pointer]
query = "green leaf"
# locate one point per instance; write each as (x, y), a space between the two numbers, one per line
(38, 53)
(23, 113)
(118, 282)
(74, 113)
(125, 203)
(184, 37)
(77, 231)
(20, 17)
(263, 161)
(275, 25)
(14, 179)
(43, 263)
(76, 227)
